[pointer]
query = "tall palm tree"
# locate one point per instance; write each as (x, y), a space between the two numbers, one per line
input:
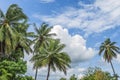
(56, 58)
(13, 17)
(109, 50)
(41, 38)
(52, 56)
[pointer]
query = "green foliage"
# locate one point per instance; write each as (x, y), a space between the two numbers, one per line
(109, 50)
(11, 70)
(4, 75)
(73, 77)
(42, 36)
(8, 21)
(63, 79)
(19, 67)
(13, 42)
(96, 74)
(24, 78)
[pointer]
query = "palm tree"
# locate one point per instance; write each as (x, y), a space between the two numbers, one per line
(23, 41)
(41, 38)
(12, 18)
(52, 56)
(109, 51)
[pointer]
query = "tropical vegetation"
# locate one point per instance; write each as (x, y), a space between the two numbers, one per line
(16, 41)
(13, 42)
(95, 73)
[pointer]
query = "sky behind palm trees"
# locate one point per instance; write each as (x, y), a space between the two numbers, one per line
(80, 24)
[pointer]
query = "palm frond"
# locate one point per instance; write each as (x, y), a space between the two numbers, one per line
(15, 13)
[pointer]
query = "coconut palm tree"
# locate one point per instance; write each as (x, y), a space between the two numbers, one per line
(109, 50)
(52, 56)
(40, 39)
(23, 41)
(13, 17)
(56, 58)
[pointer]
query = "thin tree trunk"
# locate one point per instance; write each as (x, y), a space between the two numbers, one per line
(48, 74)
(2, 55)
(112, 67)
(113, 70)
(1, 48)
(36, 73)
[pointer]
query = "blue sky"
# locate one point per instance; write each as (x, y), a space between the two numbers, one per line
(80, 24)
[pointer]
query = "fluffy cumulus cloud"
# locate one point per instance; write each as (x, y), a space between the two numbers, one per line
(96, 17)
(46, 1)
(75, 45)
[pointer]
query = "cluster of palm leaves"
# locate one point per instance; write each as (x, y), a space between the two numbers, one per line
(13, 33)
(15, 41)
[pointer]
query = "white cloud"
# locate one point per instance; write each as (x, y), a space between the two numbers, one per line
(118, 58)
(46, 1)
(75, 45)
(57, 75)
(96, 17)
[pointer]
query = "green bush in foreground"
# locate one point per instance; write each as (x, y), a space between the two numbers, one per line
(11, 70)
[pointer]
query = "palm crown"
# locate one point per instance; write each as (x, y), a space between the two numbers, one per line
(42, 36)
(109, 49)
(13, 17)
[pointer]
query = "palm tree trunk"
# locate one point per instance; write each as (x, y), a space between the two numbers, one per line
(36, 73)
(1, 50)
(112, 67)
(48, 74)
(116, 78)
(1, 47)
